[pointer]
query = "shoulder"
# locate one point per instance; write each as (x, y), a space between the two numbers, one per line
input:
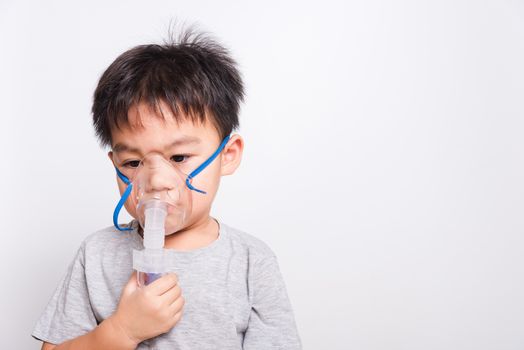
(109, 238)
(253, 246)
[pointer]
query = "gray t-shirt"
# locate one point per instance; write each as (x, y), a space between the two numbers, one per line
(234, 292)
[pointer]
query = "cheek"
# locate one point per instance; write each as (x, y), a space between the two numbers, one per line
(121, 186)
(207, 181)
(209, 178)
(131, 209)
(130, 203)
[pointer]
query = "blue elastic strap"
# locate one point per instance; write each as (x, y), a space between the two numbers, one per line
(122, 201)
(194, 173)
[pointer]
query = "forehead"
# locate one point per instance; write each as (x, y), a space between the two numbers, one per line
(149, 130)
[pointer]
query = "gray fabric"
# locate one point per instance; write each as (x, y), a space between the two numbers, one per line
(234, 291)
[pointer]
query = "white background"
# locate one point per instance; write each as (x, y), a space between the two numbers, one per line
(384, 158)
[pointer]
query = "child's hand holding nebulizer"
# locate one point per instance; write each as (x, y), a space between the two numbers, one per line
(151, 302)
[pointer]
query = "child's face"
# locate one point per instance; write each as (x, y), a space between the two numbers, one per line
(158, 134)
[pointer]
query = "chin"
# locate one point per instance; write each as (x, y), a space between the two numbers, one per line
(174, 228)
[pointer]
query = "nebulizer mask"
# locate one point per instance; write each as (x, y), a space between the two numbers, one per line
(160, 190)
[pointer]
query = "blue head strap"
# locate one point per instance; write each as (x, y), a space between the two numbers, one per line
(194, 173)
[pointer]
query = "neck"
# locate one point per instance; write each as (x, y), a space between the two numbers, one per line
(198, 235)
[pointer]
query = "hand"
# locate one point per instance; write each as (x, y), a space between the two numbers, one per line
(145, 312)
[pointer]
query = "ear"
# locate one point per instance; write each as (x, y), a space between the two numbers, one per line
(232, 155)
(110, 155)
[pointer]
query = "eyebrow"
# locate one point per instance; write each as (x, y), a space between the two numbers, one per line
(122, 147)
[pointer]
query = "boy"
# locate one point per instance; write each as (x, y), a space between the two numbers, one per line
(179, 101)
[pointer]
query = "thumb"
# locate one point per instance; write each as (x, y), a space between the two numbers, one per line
(131, 285)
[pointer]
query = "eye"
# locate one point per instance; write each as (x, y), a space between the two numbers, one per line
(179, 158)
(132, 164)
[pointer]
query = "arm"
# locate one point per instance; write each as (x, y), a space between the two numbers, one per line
(271, 322)
(107, 335)
(142, 313)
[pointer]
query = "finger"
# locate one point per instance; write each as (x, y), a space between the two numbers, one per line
(178, 315)
(175, 318)
(171, 295)
(163, 284)
(177, 305)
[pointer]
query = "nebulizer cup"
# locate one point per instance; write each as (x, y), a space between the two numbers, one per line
(163, 207)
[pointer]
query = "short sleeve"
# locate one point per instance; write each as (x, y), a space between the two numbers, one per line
(271, 322)
(68, 314)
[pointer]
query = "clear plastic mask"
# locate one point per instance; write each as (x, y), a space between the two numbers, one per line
(156, 178)
(160, 177)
